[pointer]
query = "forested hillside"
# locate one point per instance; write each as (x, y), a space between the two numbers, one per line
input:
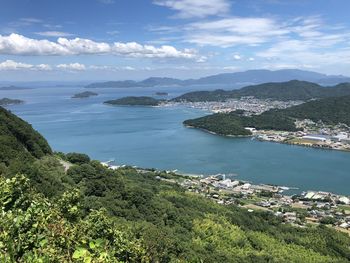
(91, 213)
(18, 140)
(291, 90)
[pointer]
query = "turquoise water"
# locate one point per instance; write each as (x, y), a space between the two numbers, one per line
(155, 137)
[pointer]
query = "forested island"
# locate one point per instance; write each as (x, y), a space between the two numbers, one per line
(83, 95)
(283, 91)
(67, 208)
(330, 111)
(135, 101)
(7, 102)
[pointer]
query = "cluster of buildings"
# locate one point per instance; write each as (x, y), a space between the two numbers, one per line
(311, 207)
(249, 105)
(311, 134)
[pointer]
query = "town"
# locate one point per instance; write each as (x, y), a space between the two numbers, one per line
(307, 207)
(310, 207)
(311, 134)
(249, 105)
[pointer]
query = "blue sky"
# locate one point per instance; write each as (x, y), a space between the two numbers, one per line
(135, 39)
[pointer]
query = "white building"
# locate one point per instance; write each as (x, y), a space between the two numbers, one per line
(315, 138)
(345, 200)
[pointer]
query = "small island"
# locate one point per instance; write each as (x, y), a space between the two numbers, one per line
(135, 101)
(83, 95)
(7, 102)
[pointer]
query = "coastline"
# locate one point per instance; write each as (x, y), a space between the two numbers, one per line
(218, 134)
(262, 140)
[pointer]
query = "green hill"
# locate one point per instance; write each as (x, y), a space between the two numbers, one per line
(330, 111)
(18, 140)
(291, 90)
(90, 213)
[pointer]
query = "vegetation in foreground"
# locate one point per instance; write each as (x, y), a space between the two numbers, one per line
(90, 213)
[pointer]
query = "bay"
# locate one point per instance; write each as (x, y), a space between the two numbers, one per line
(154, 137)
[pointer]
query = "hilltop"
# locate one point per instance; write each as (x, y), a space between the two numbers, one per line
(290, 90)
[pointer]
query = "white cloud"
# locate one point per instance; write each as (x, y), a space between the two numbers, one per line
(44, 67)
(196, 8)
(31, 20)
(15, 44)
(53, 34)
(13, 65)
(251, 59)
(237, 57)
(72, 66)
(234, 31)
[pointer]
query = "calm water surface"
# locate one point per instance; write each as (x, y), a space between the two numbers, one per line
(155, 137)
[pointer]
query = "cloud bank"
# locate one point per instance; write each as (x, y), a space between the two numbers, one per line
(15, 44)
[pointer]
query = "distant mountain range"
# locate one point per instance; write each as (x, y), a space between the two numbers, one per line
(245, 77)
(290, 90)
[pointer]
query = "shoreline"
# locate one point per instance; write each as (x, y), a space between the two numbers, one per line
(262, 140)
(218, 134)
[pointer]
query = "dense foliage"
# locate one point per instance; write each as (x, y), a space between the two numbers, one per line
(329, 111)
(18, 140)
(94, 214)
(135, 101)
(235, 124)
(291, 90)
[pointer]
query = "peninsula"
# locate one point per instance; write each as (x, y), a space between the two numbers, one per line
(321, 123)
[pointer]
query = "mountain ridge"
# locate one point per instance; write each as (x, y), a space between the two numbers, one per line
(249, 77)
(290, 90)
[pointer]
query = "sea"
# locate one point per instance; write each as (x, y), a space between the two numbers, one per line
(154, 137)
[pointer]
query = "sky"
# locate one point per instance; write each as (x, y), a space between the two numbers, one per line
(135, 39)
